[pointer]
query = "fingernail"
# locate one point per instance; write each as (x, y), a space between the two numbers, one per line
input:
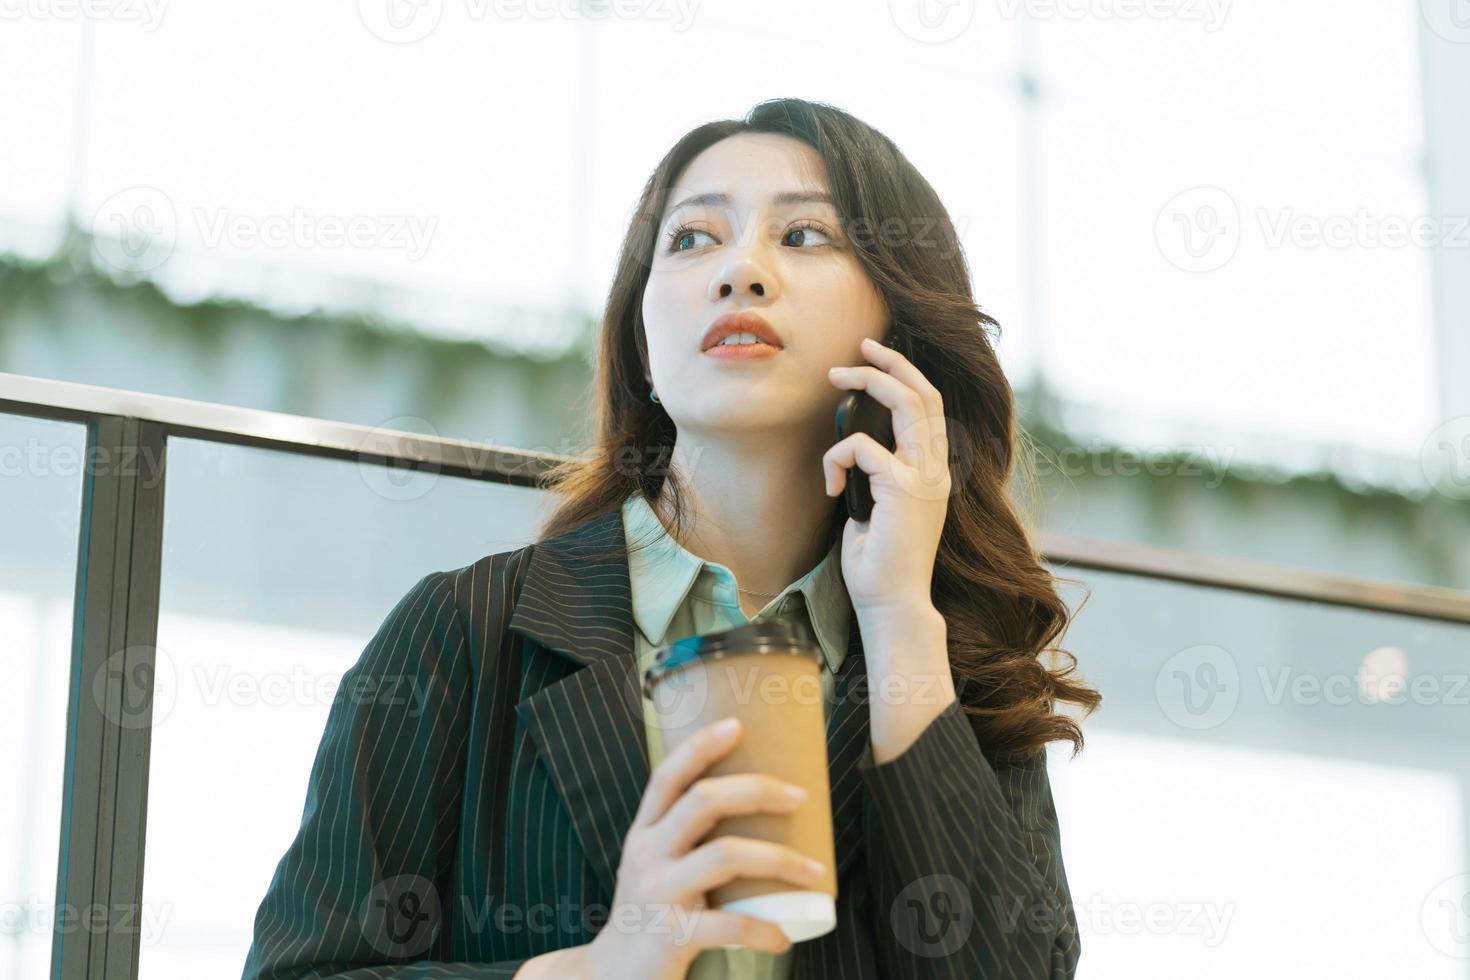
(727, 726)
(836, 370)
(795, 794)
(870, 342)
(815, 867)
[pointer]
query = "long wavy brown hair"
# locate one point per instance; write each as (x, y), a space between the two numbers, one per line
(1001, 605)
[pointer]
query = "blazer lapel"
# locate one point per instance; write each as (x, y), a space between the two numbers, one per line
(588, 727)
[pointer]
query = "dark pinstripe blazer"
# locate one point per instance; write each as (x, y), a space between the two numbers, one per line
(484, 757)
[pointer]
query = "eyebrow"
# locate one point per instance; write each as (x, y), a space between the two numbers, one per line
(781, 200)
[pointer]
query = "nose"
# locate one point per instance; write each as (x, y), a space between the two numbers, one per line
(742, 276)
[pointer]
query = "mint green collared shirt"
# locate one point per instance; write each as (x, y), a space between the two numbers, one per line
(676, 594)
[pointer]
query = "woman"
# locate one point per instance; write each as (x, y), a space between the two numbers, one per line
(511, 821)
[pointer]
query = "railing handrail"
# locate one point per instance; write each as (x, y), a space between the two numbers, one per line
(66, 400)
(70, 401)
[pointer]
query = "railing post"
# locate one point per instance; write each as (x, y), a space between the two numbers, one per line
(99, 887)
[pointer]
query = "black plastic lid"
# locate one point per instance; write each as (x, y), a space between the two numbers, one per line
(775, 635)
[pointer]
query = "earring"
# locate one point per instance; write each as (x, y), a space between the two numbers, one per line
(652, 396)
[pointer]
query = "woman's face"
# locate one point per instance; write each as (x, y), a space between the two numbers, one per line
(788, 262)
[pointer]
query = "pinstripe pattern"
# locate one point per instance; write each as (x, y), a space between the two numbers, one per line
(459, 831)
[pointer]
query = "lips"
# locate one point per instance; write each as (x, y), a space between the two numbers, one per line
(745, 321)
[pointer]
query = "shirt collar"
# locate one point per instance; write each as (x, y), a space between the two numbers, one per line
(665, 573)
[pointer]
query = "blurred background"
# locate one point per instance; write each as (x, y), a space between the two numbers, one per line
(1228, 244)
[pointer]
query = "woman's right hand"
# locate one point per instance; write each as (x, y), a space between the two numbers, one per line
(659, 920)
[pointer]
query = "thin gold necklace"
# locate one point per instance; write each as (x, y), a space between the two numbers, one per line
(764, 595)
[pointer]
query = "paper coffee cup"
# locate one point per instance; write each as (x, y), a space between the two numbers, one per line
(767, 674)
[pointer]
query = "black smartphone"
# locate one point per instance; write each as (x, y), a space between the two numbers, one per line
(861, 412)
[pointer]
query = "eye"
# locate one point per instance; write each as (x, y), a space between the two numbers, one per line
(807, 229)
(673, 241)
(681, 232)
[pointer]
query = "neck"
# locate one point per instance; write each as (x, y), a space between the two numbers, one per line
(757, 506)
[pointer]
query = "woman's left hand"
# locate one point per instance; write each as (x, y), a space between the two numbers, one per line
(888, 560)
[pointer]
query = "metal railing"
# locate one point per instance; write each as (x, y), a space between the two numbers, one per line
(44, 398)
(115, 622)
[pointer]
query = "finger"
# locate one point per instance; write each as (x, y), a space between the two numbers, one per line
(724, 859)
(711, 799)
(672, 776)
(905, 370)
(712, 929)
(905, 404)
(914, 427)
(883, 468)
(860, 450)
